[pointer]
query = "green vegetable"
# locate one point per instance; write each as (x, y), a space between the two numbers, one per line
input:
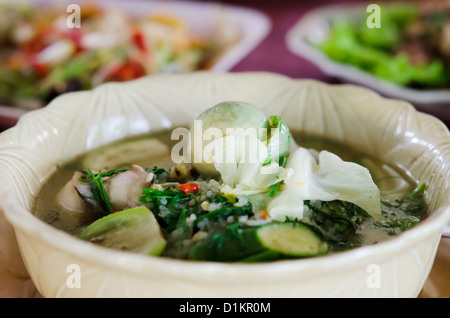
(228, 245)
(236, 115)
(183, 225)
(394, 18)
(20, 84)
(292, 239)
(338, 209)
(152, 195)
(419, 190)
(223, 213)
(259, 243)
(98, 189)
(278, 146)
(81, 68)
(133, 230)
(156, 170)
(274, 189)
(337, 221)
(404, 213)
(278, 139)
(374, 50)
(268, 255)
(395, 224)
(227, 118)
(172, 201)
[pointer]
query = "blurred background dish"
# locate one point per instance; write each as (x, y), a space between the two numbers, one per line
(406, 58)
(41, 57)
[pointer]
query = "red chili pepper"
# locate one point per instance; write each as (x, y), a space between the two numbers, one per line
(188, 187)
(139, 40)
(40, 68)
(128, 71)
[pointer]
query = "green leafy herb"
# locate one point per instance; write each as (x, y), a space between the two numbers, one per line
(274, 189)
(278, 148)
(268, 161)
(153, 195)
(156, 170)
(374, 50)
(168, 205)
(395, 224)
(337, 221)
(98, 189)
(231, 243)
(404, 213)
(419, 190)
(225, 212)
(218, 199)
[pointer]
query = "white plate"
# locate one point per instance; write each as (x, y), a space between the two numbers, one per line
(252, 25)
(313, 27)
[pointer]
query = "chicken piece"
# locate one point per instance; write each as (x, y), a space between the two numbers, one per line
(74, 203)
(68, 197)
(125, 189)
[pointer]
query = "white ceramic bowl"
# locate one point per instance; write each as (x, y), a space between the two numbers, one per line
(390, 130)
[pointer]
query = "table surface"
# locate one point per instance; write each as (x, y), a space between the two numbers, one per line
(272, 55)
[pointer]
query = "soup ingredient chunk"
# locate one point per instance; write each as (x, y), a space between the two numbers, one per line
(329, 179)
(292, 239)
(244, 147)
(224, 119)
(275, 240)
(125, 188)
(135, 230)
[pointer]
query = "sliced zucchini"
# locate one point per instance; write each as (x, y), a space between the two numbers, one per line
(134, 230)
(262, 243)
(291, 239)
(124, 153)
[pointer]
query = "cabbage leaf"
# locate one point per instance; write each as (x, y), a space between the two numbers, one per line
(329, 179)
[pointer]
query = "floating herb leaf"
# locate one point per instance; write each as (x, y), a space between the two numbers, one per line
(404, 213)
(156, 170)
(225, 212)
(168, 205)
(98, 189)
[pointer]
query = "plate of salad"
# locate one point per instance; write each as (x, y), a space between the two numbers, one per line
(44, 54)
(407, 57)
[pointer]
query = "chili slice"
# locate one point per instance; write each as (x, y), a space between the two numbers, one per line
(188, 187)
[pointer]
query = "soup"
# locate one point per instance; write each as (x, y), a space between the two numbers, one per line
(131, 196)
